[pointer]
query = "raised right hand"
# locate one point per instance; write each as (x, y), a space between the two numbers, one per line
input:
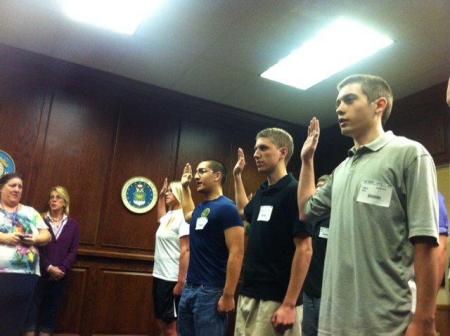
(187, 175)
(163, 190)
(240, 164)
(310, 144)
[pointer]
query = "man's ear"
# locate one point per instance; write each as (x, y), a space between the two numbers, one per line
(217, 176)
(380, 105)
(283, 152)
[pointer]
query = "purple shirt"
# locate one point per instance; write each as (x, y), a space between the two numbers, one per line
(62, 252)
(443, 216)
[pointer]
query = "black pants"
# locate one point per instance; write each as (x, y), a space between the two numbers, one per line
(46, 303)
(16, 292)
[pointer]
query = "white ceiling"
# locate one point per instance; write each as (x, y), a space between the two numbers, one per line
(216, 49)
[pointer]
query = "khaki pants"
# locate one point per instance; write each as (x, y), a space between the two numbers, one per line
(253, 318)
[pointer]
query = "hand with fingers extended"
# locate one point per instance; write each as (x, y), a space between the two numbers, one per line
(310, 144)
(164, 187)
(240, 164)
(187, 175)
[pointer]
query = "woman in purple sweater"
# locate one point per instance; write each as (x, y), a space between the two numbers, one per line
(57, 259)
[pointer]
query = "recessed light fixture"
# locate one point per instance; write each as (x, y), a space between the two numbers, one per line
(121, 16)
(339, 45)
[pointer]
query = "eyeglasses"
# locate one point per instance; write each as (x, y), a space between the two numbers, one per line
(202, 171)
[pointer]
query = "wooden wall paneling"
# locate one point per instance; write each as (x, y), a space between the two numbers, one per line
(425, 117)
(22, 102)
(77, 151)
(72, 314)
(123, 302)
(146, 146)
(430, 132)
(202, 141)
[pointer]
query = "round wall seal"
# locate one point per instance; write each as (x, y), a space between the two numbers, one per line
(139, 194)
(7, 164)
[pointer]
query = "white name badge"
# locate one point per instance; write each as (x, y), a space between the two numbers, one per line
(265, 211)
(375, 193)
(200, 223)
(413, 289)
(323, 233)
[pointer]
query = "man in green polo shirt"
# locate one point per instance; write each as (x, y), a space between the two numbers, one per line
(383, 234)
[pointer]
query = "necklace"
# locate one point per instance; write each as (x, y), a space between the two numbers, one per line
(56, 219)
(56, 224)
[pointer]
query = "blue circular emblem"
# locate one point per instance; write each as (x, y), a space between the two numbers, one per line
(139, 194)
(7, 164)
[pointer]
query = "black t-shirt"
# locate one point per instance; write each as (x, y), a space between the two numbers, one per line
(274, 222)
(313, 281)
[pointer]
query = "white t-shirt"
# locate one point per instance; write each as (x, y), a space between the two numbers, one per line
(167, 251)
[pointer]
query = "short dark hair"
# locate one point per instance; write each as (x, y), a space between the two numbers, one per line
(218, 166)
(279, 138)
(373, 87)
(7, 177)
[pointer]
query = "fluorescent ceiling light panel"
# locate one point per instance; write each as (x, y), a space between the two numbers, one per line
(122, 16)
(336, 47)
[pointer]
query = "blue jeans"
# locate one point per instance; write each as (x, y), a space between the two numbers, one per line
(310, 322)
(47, 300)
(197, 312)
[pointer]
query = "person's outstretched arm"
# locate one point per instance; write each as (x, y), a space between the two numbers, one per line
(183, 266)
(161, 210)
(426, 272)
(306, 183)
(285, 316)
(187, 202)
(234, 238)
(240, 196)
(442, 257)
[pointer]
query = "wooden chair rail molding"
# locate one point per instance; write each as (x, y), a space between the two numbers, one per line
(114, 255)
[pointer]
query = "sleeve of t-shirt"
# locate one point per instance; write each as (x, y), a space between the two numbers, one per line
(230, 217)
(40, 224)
(443, 217)
(320, 203)
(421, 196)
(184, 229)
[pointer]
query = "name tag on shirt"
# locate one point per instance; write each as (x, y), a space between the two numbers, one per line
(323, 233)
(413, 289)
(200, 223)
(265, 211)
(375, 193)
